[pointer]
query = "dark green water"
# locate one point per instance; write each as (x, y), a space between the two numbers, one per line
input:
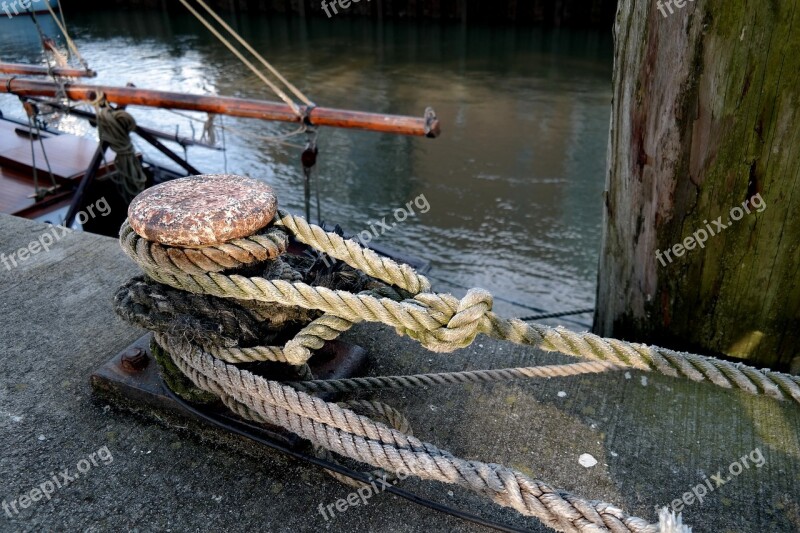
(514, 183)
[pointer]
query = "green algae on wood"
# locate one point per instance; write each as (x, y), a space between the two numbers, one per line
(713, 122)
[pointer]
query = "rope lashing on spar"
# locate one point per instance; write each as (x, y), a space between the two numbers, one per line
(213, 305)
(114, 126)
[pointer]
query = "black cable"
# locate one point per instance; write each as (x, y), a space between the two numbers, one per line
(231, 427)
(454, 284)
(558, 314)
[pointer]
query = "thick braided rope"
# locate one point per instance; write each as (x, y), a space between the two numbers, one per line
(265, 245)
(360, 438)
(353, 254)
(449, 378)
(313, 336)
(456, 322)
(669, 362)
(457, 330)
(443, 323)
(372, 408)
(158, 308)
(394, 417)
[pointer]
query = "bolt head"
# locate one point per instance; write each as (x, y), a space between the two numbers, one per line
(134, 360)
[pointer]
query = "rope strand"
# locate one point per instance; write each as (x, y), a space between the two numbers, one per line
(243, 59)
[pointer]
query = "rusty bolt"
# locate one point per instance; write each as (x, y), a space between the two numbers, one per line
(134, 360)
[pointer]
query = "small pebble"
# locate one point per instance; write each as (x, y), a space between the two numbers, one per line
(587, 460)
(614, 454)
(562, 394)
(42, 437)
(644, 381)
(16, 418)
(450, 493)
(627, 375)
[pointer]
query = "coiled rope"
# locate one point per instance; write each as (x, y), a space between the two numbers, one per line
(440, 322)
(114, 126)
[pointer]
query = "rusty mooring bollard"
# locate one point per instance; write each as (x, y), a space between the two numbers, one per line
(203, 210)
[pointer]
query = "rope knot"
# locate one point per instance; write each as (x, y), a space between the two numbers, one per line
(461, 320)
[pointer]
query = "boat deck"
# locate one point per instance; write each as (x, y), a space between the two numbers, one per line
(654, 437)
(69, 157)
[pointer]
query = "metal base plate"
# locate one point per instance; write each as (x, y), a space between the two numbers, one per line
(142, 387)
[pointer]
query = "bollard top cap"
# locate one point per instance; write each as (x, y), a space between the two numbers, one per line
(202, 210)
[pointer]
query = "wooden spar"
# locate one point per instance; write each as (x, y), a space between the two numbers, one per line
(37, 70)
(92, 118)
(427, 126)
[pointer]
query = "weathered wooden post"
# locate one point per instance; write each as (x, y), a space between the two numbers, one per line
(705, 130)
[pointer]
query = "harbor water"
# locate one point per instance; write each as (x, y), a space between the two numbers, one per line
(513, 187)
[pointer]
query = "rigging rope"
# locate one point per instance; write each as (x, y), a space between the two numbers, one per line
(70, 42)
(48, 43)
(294, 107)
(450, 378)
(278, 139)
(303, 98)
(557, 314)
(31, 112)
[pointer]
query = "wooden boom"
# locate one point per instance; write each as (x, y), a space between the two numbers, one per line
(427, 126)
(37, 70)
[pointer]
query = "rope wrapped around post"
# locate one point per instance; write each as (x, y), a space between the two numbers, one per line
(440, 322)
(114, 126)
(247, 268)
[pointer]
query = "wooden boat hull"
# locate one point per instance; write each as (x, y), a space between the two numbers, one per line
(67, 157)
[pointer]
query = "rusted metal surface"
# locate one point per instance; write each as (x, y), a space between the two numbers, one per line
(134, 359)
(202, 210)
(237, 107)
(144, 388)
